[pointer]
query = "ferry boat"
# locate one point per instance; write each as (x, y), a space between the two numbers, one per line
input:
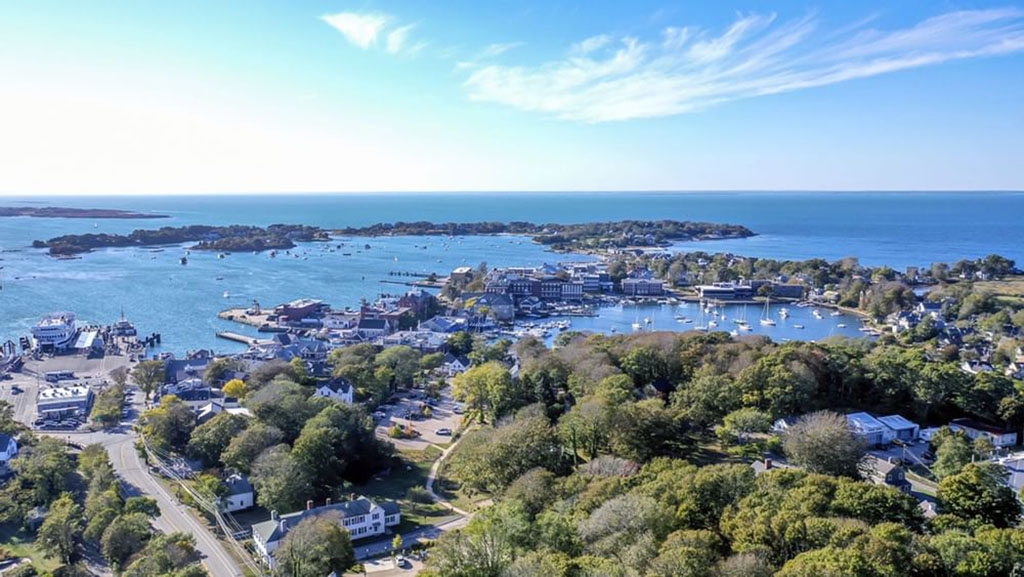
(123, 328)
(55, 331)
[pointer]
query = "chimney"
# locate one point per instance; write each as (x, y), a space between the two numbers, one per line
(309, 505)
(273, 515)
(767, 464)
(328, 503)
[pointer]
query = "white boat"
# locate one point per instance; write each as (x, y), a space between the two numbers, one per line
(766, 319)
(816, 314)
(841, 326)
(734, 333)
(712, 324)
(798, 326)
(835, 314)
(784, 312)
(227, 295)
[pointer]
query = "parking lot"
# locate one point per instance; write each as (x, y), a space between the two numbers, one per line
(405, 410)
(21, 389)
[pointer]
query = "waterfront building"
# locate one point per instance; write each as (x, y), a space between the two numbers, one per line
(55, 332)
(642, 287)
(299, 309)
(61, 402)
(361, 517)
(463, 274)
(572, 291)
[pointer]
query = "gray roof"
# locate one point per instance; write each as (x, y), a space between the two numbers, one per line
(270, 531)
(373, 324)
(238, 484)
(338, 385)
(390, 508)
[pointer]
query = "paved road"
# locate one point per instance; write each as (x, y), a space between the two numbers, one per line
(173, 515)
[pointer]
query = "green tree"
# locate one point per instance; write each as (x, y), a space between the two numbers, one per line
(823, 443)
(281, 483)
(124, 537)
(61, 532)
(978, 494)
(404, 363)
(169, 425)
(285, 405)
(149, 376)
(243, 449)
(741, 423)
(106, 408)
(952, 456)
(43, 469)
(210, 439)
(317, 546)
(486, 389)
(460, 343)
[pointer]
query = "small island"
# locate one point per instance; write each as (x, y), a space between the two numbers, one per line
(568, 237)
(233, 238)
(65, 212)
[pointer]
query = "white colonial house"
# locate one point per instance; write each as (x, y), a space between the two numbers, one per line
(361, 517)
(8, 449)
(239, 496)
(455, 364)
(337, 388)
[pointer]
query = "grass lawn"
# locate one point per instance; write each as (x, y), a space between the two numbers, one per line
(21, 544)
(1009, 287)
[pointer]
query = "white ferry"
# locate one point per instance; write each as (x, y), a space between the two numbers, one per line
(55, 331)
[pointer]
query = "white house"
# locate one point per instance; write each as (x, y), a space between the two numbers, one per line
(455, 364)
(338, 389)
(239, 496)
(973, 429)
(361, 517)
(8, 449)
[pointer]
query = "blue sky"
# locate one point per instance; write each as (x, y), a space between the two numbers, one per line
(115, 97)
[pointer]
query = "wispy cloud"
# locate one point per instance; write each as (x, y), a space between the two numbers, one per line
(361, 30)
(489, 52)
(687, 68)
(397, 38)
(364, 29)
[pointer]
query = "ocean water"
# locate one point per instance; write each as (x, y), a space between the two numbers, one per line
(181, 302)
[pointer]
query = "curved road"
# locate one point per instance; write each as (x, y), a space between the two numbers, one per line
(137, 480)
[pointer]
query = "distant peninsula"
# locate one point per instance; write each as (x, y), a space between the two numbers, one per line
(568, 237)
(234, 238)
(65, 212)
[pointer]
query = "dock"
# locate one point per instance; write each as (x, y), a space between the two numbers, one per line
(230, 336)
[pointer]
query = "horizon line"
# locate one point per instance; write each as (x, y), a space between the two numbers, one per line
(537, 191)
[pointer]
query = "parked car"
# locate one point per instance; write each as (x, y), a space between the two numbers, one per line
(445, 431)
(401, 562)
(458, 410)
(15, 390)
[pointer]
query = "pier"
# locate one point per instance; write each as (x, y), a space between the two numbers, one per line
(230, 336)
